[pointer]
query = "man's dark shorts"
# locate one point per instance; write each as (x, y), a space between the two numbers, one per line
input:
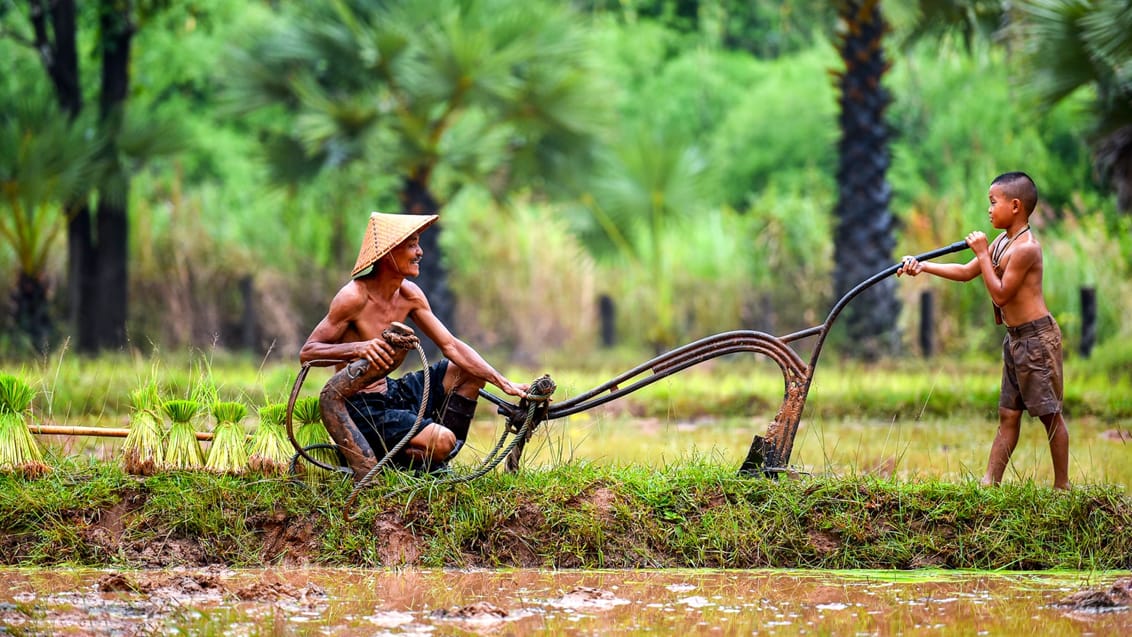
(1031, 370)
(384, 419)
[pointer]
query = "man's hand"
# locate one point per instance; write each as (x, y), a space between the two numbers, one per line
(513, 389)
(379, 354)
(977, 241)
(910, 266)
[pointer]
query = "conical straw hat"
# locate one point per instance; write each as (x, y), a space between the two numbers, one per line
(385, 232)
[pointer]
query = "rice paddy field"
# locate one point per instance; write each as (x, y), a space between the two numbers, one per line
(625, 519)
(909, 420)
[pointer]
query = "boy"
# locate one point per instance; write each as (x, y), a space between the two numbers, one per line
(1011, 268)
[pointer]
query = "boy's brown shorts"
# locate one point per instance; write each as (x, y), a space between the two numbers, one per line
(1031, 370)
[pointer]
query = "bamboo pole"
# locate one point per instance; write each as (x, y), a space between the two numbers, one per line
(73, 430)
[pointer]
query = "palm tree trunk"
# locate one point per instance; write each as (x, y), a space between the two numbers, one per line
(108, 307)
(863, 238)
(418, 199)
(32, 313)
(55, 32)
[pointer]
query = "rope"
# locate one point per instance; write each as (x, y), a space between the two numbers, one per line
(402, 336)
(300, 450)
(541, 391)
(398, 335)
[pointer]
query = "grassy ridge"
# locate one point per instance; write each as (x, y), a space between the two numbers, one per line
(573, 516)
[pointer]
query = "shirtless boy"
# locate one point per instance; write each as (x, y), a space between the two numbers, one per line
(1011, 267)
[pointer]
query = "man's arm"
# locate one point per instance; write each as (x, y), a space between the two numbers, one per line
(324, 346)
(453, 348)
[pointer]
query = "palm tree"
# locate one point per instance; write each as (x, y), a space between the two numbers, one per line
(863, 237)
(440, 94)
(46, 160)
(98, 239)
(649, 179)
(1071, 44)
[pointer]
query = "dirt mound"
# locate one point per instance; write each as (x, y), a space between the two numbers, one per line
(588, 598)
(1116, 597)
(210, 582)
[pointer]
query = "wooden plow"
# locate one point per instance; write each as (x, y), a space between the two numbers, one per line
(768, 455)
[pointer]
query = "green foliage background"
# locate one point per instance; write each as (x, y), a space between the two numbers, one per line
(735, 107)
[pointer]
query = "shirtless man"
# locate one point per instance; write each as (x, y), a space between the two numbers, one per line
(363, 410)
(1011, 267)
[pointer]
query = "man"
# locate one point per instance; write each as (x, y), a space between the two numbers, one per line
(364, 410)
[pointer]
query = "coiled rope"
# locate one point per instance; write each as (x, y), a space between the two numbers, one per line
(398, 335)
(540, 392)
(402, 336)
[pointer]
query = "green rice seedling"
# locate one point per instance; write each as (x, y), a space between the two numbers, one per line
(228, 453)
(269, 451)
(142, 452)
(183, 449)
(19, 451)
(312, 432)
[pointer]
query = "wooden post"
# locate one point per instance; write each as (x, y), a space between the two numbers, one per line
(927, 323)
(607, 315)
(248, 320)
(1088, 321)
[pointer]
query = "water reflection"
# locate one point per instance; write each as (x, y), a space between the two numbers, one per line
(526, 602)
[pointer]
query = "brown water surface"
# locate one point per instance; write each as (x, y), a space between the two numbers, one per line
(528, 602)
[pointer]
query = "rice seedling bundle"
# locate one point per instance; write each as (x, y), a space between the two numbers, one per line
(183, 449)
(269, 451)
(142, 452)
(312, 432)
(228, 453)
(19, 451)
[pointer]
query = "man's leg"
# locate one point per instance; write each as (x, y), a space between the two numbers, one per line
(1058, 435)
(431, 446)
(1009, 422)
(462, 391)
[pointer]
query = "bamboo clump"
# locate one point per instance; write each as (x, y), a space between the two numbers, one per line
(269, 451)
(19, 451)
(142, 451)
(228, 453)
(183, 450)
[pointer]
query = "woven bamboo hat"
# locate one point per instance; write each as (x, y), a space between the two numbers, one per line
(385, 232)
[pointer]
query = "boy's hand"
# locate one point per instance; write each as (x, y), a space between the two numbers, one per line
(910, 266)
(977, 241)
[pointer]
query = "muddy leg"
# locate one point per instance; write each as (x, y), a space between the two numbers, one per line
(332, 402)
(1058, 435)
(1009, 421)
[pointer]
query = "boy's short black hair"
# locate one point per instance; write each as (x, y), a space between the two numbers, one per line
(1019, 185)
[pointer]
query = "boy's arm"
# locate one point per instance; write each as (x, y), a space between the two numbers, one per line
(953, 271)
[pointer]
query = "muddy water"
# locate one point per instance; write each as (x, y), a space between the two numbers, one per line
(416, 602)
